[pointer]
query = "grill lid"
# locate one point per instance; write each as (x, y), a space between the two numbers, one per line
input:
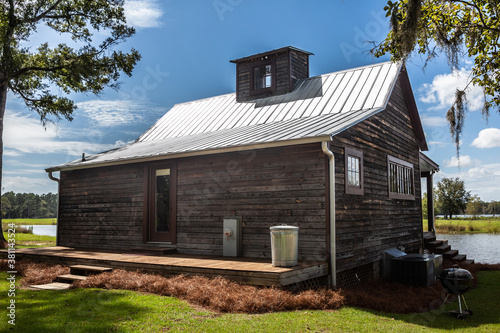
(456, 280)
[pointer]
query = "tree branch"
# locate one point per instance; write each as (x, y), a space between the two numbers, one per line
(45, 13)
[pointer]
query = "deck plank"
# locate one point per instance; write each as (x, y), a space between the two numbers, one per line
(253, 271)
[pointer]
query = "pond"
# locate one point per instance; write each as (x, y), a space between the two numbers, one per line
(483, 248)
(47, 230)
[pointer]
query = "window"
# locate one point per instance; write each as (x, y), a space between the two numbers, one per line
(262, 77)
(353, 171)
(401, 179)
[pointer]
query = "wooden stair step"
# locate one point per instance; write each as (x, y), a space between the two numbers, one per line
(429, 237)
(442, 249)
(69, 278)
(88, 270)
(155, 250)
(52, 286)
(459, 258)
(468, 261)
(450, 254)
(432, 245)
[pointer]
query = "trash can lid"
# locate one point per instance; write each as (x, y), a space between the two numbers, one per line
(284, 227)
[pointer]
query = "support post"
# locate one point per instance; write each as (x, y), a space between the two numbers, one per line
(430, 204)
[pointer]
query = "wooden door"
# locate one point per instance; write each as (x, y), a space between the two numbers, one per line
(162, 203)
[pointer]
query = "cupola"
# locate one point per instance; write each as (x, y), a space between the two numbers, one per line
(270, 73)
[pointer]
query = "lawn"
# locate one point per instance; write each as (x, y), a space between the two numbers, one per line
(30, 221)
(480, 225)
(95, 310)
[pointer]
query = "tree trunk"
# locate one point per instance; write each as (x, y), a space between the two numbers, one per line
(3, 100)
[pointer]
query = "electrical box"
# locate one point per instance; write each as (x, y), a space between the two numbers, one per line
(231, 237)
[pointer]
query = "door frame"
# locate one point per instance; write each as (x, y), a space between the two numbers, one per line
(149, 235)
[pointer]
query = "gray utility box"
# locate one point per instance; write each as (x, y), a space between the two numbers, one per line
(388, 256)
(231, 235)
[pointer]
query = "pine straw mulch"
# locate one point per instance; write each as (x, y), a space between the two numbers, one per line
(222, 295)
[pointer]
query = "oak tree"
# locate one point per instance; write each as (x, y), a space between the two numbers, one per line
(460, 29)
(451, 196)
(83, 65)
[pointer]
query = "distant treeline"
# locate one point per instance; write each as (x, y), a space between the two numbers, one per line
(29, 205)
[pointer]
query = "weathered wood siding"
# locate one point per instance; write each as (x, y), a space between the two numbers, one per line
(290, 67)
(371, 223)
(265, 187)
(101, 208)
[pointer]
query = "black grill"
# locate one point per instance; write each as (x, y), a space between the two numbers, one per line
(457, 281)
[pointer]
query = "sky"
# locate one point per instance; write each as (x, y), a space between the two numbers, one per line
(186, 47)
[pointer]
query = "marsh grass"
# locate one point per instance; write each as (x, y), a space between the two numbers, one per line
(480, 225)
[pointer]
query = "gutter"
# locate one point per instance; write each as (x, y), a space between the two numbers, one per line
(58, 193)
(333, 251)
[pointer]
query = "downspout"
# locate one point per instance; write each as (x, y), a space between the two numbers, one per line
(57, 211)
(333, 252)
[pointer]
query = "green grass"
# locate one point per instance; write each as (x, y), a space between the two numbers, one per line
(30, 240)
(480, 225)
(30, 221)
(95, 310)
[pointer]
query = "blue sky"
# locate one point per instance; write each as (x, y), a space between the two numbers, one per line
(186, 47)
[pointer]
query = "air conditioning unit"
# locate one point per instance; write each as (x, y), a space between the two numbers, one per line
(416, 269)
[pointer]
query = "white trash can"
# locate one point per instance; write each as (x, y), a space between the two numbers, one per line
(284, 245)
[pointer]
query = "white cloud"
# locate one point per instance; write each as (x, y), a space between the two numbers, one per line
(23, 134)
(482, 180)
(28, 184)
(487, 138)
(9, 152)
(431, 121)
(463, 161)
(143, 13)
(443, 87)
(113, 113)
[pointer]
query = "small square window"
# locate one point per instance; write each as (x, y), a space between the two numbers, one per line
(262, 77)
(353, 171)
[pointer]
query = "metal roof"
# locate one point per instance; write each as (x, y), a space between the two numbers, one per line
(317, 109)
(283, 49)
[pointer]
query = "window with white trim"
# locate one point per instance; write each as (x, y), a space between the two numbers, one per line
(353, 171)
(401, 179)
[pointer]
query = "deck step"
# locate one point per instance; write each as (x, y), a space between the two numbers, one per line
(155, 250)
(88, 270)
(429, 237)
(432, 245)
(468, 261)
(52, 286)
(70, 278)
(442, 249)
(459, 258)
(450, 254)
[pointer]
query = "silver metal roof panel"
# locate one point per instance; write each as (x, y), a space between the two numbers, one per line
(318, 108)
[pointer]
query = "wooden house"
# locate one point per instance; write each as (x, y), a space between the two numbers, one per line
(338, 155)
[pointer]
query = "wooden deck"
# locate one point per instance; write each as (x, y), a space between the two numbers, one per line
(244, 270)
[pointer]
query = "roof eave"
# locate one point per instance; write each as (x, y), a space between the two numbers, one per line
(159, 157)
